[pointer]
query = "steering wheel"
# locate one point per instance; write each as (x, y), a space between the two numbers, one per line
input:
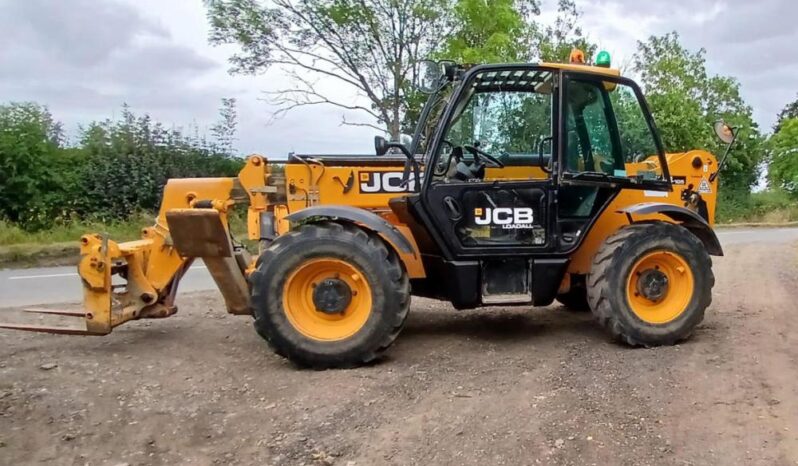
(479, 155)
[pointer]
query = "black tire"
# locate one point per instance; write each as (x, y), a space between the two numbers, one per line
(386, 277)
(614, 262)
(575, 299)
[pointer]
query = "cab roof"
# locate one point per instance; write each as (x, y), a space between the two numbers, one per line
(584, 68)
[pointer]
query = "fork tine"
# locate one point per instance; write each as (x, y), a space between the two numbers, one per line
(45, 329)
(36, 310)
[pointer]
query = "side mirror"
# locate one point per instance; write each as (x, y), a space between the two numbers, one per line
(429, 72)
(380, 145)
(724, 132)
(727, 135)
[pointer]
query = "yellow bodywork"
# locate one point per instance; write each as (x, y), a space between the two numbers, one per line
(153, 266)
(680, 165)
(193, 220)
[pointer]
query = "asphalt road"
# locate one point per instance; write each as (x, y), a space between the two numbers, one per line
(51, 285)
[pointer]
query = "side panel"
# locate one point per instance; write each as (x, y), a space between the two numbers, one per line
(683, 173)
(368, 187)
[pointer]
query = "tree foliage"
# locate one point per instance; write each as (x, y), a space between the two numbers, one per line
(489, 31)
(686, 100)
(370, 48)
(783, 166)
(29, 143)
(789, 112)
(119, 166)
(224, 131)
(367, 48)
(556, 41)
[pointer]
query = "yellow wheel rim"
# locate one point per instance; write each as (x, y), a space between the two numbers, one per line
(660, 287)
(302, 312)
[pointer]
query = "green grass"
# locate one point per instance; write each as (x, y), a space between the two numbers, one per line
(126, 230)
(773, 206)
(59, 245)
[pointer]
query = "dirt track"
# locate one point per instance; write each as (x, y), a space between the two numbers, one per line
(478, 387)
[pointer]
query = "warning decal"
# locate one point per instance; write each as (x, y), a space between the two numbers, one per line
(704, 187)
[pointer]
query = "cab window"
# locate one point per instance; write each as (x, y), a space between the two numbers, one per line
(606, 132)
(506, 114)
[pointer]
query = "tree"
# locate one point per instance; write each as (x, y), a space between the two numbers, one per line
(686, 101)
(479, 31)
(369, 48)
(224, 131)
(783, 167)
(788, 112)
(485, 31)
(556, 42)
(29, 143)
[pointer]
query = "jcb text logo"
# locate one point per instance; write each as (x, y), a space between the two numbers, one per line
(385, 182)
(506, 217)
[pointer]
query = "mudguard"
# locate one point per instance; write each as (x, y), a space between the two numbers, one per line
(358, 216)
(689, 219)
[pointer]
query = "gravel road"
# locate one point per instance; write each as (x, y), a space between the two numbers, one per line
(494, 386)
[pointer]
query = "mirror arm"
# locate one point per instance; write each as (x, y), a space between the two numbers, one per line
(725, 156)
(413, 163)
(425, 112)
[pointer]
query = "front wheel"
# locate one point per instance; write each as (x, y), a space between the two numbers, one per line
(329, 295)
(650, 284)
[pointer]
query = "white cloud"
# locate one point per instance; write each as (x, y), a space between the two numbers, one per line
(85, 58)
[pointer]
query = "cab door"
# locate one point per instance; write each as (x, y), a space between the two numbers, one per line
(609, 144)
(489, 187)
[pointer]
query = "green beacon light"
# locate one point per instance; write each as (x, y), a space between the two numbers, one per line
(603, 59)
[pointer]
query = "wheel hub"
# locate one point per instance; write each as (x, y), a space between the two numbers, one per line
(332, 296)
(652, 284)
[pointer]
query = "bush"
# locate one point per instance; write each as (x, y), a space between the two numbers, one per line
(30, 181)
(119, 167)
(772, 206)
(783, 167)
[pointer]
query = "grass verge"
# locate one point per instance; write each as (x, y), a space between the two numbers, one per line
(59, 245)
(767, 207)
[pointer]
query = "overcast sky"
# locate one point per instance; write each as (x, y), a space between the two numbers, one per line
(84, 58)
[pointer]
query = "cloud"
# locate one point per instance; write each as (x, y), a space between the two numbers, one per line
(79, 32)
(84, 58)
(749, 40)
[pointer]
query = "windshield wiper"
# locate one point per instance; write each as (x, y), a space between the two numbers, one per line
(587, 174)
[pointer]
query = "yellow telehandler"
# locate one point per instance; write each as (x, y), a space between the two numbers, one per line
(523, 183)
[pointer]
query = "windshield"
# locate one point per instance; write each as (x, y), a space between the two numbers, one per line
(506, 114)
(504, 122)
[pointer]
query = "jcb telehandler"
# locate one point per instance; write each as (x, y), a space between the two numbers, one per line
(523, 183)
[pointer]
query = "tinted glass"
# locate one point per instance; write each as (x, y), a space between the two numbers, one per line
(606, 131)
(505, 114)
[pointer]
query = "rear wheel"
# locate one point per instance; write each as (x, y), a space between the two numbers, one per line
(329, 295)
(650, 284)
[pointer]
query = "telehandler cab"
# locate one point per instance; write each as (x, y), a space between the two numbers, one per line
(523, 183)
